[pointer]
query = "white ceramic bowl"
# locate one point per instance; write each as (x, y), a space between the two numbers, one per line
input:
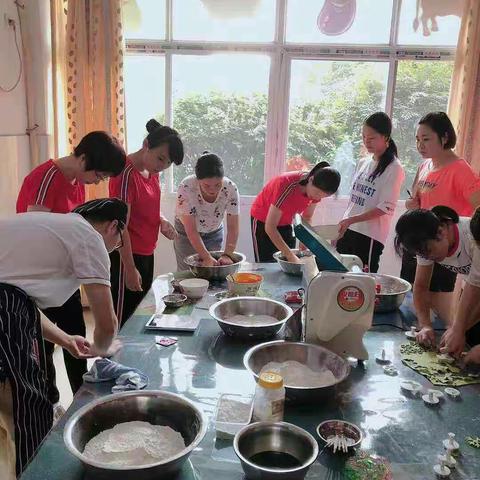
(194, 287)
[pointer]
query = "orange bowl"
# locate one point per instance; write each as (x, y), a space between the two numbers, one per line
(245, 277)
(244, 283)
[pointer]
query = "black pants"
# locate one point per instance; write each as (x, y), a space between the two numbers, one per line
(68, 317)
(366, 248)
(263, 247)
(125, 301)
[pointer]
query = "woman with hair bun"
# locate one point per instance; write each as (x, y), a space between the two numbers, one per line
(375, 192)
(280, 200)
(139, 187)
(203, 200)
(440, 237)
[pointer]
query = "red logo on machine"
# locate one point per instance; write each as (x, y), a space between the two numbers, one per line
(350, 299)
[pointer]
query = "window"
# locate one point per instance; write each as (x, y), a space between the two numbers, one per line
(430, 22)
(144, 95)
(352, 23)
(224, 20)
(421, 87)
(272, 85)
(328, 102)
(220, 104)
(144, 19)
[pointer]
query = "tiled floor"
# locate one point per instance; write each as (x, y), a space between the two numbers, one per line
(62, 379)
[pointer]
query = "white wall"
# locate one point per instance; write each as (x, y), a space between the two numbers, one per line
(14, 147)
(330, 211)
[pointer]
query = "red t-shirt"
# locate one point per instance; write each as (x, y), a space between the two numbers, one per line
(143, 196)
(283, 192)
(47, 186)
(451, 186)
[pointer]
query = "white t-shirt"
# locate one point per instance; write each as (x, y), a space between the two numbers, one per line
(367, 194)
(49, 255)
(466, 258)
(208, 216)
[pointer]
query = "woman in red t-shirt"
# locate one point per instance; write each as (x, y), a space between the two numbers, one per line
(280, 199)
(139, 187)
(442, 179)
(58, 186)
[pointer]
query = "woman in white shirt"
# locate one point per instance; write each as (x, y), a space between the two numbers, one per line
(375, 191)
(203, 200)
(440, 236)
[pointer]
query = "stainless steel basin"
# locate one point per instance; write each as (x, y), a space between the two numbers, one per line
(156, 407)
(392, 292)
(288, 267)
(251, 306)
(313, 356)
(214, 273)
(278, 437)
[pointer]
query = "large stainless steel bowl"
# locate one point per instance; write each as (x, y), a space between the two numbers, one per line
(156, 407)
(251, 306)
(288, 267)
(278, 437)
(313, 356)
(214, 273)
(392, 292)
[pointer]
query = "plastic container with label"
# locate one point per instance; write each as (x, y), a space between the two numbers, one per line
(233, 413)
(269, 401)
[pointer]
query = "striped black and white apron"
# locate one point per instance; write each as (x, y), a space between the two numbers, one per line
(22, 363)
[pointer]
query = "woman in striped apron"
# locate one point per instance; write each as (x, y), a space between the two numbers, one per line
(43, 259)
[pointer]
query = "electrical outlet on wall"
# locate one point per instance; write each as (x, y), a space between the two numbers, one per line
(8, 21)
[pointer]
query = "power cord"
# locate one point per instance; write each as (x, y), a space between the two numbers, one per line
(13, 24)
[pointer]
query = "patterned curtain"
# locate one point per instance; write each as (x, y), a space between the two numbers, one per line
(88, 73)
(464, 104)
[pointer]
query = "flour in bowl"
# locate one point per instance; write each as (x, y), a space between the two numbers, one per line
(134, 444)
(252, 320)
(296, 374)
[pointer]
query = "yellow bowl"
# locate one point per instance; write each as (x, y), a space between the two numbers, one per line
(244, 283)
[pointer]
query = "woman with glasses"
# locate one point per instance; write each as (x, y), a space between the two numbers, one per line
(58, 186)
(139, 187)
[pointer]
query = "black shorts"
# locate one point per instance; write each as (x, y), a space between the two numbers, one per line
(364, 247)
(443, 280)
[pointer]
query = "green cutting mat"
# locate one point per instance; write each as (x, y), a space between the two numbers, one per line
(425, 362)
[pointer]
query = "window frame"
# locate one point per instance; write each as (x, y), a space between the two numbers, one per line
(282, 53)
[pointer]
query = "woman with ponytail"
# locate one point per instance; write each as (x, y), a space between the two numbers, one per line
(280, 199)
(375, 191)
(440, 237)
(203, 200)
(139, 187)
